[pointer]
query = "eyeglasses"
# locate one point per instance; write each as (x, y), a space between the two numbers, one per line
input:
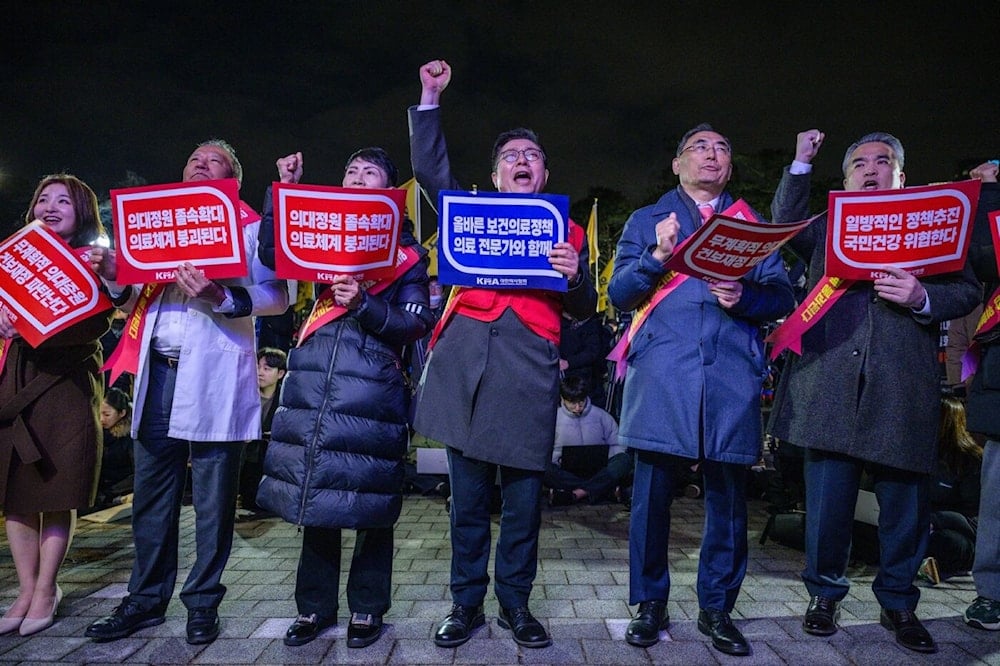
(703, 148)
(530, 154)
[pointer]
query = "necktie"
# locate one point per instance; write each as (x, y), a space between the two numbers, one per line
(706, 211)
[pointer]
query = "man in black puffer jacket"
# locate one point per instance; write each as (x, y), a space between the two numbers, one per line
(340, 432)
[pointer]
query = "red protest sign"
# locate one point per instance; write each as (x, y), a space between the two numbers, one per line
(158, 227)
(727, 248)
(922, 230)
(323, 231)
(995, 231)
(46, 286)
(728, 245)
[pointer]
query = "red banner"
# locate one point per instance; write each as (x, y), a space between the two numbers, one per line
(158, 227)
(323, 231)
(995, 231)
(727, 248)
(45, 285)
(922, 230)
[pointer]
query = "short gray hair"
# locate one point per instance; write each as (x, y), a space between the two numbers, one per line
(880, 137)
(228, 149)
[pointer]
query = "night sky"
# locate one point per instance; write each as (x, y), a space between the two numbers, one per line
(103, 88)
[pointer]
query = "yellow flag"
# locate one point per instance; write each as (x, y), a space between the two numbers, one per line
(413, 203)
(595, 252)
(603, 304)
(432, 254)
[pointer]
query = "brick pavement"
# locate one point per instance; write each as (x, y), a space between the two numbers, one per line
(581, 594)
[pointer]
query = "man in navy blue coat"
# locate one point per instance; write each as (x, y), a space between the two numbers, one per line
(692, 392)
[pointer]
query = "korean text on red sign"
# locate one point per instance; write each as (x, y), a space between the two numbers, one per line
(922, 230)
(159, 227)
(46, 286)
(324, 231)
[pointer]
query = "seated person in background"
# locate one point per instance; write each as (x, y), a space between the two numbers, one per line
(954, 497)
(579, 423)
(271, 367)
(117, 470)
(583, 346)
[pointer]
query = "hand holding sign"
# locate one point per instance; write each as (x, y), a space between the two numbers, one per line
(986, 172)
(565, 259)
(728, 292)
(103, 262)
(347, 292)
(194, 284)
(902, 288)
(7, 329)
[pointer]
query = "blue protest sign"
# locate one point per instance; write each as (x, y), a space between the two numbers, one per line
(499, 240)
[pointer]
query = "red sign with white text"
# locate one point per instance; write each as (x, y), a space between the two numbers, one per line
(45, 285)
(995, 231)
(922, 230)
(158, 227)
(323, 231)
(729, 245)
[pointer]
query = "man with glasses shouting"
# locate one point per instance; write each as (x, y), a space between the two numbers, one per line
(490, 388)
(692, 392)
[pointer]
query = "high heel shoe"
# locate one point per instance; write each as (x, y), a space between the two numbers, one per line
(31, 626)
(10, 624)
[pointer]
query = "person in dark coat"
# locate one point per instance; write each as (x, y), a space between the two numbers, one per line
(340, 433)
(865, 392)
(466, 397)
(983, 409)
(692, 393)
(50, 436)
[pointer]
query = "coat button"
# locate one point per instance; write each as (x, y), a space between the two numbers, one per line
(856, 352)
(494, 332)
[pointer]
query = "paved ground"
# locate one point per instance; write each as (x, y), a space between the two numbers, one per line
(581, 594)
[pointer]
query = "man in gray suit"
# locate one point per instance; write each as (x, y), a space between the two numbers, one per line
(864, 394)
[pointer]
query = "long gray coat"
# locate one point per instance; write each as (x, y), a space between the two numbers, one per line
(867, 382)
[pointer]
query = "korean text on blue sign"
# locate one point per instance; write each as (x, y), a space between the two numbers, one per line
(499, 240)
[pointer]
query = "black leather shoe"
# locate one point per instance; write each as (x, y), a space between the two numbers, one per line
(305, 629)
(725, 636)
(821, 616)
(202, 625)
(909, 632)
(527, 631)
(363, 630)
(644, 629)
(128, 618)
(458, 625)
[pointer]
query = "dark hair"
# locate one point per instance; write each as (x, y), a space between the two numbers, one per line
(511, 135)
(273, 357)
(118, 400)
(88, 218)
(876, 137)
(227, 148)
(379, 158)
(574, 389)
(703, 127)
(956, 448)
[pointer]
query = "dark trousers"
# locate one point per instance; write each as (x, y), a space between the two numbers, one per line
(369, 582)
(952, 542)
(160, 472)
(517, 545)
(598, 486)
(722, 564)
(904, 525)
